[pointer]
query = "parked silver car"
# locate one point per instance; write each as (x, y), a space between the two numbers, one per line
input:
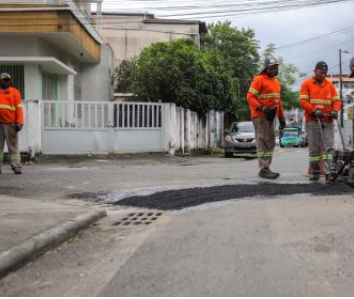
(240, 139)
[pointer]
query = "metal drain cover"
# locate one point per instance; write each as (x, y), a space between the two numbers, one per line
(138, 218)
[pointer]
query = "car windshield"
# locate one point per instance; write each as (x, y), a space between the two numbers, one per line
(242, 128)
(290, 134)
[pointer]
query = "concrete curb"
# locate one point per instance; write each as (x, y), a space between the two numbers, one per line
(20, 254)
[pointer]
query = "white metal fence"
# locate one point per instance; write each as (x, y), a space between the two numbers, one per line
(101, 127)
(75, 115)
(97, 115)
(138, 115)
(62, 127)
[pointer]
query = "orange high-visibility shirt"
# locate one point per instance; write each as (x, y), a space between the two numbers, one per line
(323, 97)
(11, 110)
(264, 91)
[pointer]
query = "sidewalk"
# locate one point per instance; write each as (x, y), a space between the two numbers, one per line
(29, 227)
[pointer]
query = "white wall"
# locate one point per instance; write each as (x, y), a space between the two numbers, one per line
(130, 43)
(93, 82)
(30, 138)
(33, 82)
(25, 45)
(186, 130)
(97, 79)
(182, 131)
(66, 88)
(34, 126)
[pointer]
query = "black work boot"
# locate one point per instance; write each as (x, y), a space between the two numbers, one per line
(268, 174)
(315, 176)
(17, 171)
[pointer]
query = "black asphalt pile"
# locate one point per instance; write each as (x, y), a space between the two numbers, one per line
(180, 199)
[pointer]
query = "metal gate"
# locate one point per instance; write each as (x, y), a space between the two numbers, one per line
(102, 127)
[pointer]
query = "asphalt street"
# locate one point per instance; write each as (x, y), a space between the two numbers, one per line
(294, 244)
(133, 175)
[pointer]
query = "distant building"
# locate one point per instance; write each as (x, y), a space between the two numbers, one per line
(347, 85)
(294, 116)
(129, 33)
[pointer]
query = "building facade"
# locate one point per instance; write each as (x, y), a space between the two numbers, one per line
(128, 33)
(54, 51)
(347, 87)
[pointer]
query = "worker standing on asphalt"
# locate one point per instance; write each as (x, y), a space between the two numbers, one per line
(11, 122)
(265, 104)
(319, 98)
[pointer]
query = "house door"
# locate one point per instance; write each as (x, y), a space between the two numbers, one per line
(49, 87)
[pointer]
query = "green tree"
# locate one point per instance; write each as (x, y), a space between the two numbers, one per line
(179, 72)
(240, 48)
(217, 76)
(288, 75)
(219, 81)
(125, 75)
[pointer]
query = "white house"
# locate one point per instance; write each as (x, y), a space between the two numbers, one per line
(53, 51)
(64, 68)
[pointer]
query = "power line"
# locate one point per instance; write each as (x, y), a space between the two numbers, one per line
(245, 11)
(263, 6)
(268, 6)
(321, 50)
(119, 19)
(244, 7)
(250, 13)
(299, 43)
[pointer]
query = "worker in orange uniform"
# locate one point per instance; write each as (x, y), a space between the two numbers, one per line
(265, 104)
(319, 98)
(11, 122)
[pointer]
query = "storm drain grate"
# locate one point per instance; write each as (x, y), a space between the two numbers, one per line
(138, 219)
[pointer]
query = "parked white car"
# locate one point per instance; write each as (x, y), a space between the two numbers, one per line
(240, 139)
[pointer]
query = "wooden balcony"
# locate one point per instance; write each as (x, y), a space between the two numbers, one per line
(57, 24)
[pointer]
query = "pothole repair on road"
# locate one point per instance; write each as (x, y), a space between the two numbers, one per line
(185, 198)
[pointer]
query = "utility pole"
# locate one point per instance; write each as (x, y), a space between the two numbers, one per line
(341, 89)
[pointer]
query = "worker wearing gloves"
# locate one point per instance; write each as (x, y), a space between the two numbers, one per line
(265, 104)
(319, 98)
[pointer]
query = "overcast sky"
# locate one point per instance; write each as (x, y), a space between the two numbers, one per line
(284, 28)
(281, 28)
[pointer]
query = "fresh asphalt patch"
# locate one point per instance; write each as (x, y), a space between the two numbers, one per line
(185, 198)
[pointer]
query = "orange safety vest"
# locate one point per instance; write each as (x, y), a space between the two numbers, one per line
(324, 97)
(264, 91)
(11, 109)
